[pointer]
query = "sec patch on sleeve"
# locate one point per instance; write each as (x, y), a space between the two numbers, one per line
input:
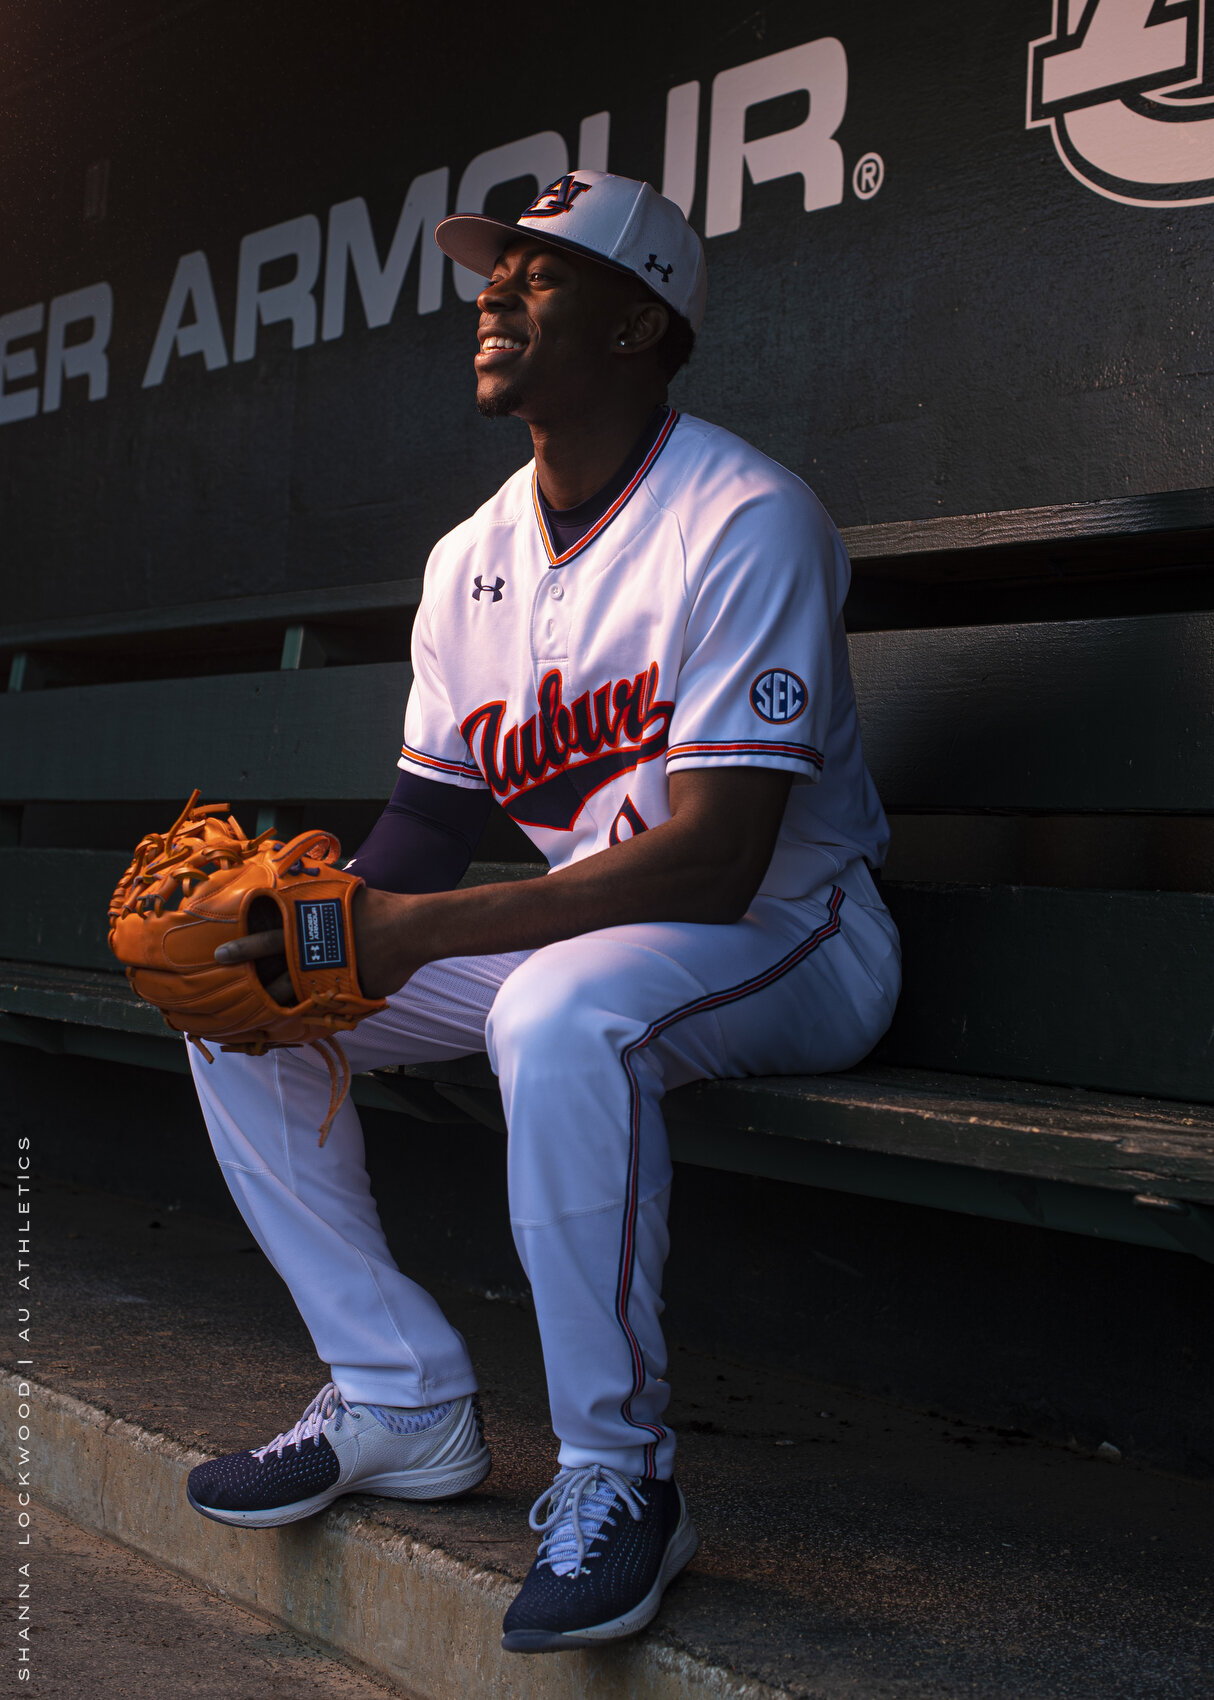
(778, 696)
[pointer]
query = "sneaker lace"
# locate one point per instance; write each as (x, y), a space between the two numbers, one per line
(570, 1513)
(326, 1404)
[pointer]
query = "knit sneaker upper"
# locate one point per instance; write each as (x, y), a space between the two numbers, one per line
(604, 1540)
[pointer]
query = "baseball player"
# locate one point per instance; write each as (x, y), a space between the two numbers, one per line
(636, 647)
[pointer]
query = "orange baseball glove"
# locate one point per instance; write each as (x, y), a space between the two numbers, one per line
(204, 882)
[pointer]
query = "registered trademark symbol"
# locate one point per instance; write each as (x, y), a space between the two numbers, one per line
(868, 175)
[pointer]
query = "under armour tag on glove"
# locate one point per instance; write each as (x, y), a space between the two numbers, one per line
(194, 888)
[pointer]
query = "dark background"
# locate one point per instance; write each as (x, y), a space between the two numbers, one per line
(986, 333)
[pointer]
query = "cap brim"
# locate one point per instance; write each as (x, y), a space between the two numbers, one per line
(477, 242)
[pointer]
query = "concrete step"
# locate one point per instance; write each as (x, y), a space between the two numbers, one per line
(849, 1547)
(174, 1638)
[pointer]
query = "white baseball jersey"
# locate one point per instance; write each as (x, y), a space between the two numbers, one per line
(697, 624)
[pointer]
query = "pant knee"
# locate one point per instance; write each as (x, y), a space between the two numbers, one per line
(551, 1024)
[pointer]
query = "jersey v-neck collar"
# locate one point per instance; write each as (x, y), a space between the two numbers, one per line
(605, 518)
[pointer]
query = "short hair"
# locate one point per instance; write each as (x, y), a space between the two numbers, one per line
(674, 350)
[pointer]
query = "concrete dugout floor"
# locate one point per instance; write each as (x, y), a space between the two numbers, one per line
(848, 1547)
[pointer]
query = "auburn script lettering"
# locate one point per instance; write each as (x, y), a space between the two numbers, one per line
(544, 770)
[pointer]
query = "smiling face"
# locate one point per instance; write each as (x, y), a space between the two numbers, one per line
(552, 329)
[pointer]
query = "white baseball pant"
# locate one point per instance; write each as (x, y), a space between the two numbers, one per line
(585, 1036)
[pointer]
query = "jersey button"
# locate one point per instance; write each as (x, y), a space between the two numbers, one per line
(556, 591)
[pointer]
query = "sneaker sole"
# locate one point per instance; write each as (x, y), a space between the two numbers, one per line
(682, 1548)
(394, 1484)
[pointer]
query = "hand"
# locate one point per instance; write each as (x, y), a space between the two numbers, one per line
(381, 924)
(382, 968)
(265, 946)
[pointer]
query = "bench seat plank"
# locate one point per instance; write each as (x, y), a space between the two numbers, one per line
(78, 995)
(1130, 1143)
(1078, 1162)
(1133, 1145)
(1085, 1138)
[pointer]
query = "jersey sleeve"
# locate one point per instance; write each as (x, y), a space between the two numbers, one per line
(433, 746)
(755, 687)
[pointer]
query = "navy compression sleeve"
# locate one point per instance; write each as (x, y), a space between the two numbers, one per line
(424, 839)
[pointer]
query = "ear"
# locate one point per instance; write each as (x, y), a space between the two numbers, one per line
(642, 329)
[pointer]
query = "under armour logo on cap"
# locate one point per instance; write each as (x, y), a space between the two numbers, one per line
(651, 265)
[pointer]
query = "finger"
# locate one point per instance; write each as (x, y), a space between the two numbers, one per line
(251, 947)
(282, 990)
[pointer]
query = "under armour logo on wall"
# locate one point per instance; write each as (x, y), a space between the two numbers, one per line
(495, 589)
(652, 265)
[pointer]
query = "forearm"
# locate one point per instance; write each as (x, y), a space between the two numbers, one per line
(703, 865)
(649, 878)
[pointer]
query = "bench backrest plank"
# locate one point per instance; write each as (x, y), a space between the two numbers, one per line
(1109, 989)
(1087, 988)
(331, 732)
(1075, 716)
(1070, 716)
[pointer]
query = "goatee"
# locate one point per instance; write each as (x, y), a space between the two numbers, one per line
(500, 405)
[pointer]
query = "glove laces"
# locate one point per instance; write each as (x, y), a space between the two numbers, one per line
(573, 1511)
(335, 1061)
(327, 1403)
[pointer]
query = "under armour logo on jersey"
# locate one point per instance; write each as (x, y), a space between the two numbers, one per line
(778, 696)
(495, 589)
(557, 198)
(652, 265)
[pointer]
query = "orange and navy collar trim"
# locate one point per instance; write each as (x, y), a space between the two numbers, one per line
(605, 519)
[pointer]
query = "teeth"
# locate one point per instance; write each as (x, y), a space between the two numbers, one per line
(499, 342)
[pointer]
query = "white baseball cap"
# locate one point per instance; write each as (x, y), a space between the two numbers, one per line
(619, 221)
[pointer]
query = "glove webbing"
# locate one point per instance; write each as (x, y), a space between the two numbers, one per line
(181, 854)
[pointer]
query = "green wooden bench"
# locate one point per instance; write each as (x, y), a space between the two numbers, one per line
(1051, 788)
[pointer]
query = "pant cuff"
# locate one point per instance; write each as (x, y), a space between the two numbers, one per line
(629, 1461)
(396, 1387)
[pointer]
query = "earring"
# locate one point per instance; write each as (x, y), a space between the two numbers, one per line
(623, 342)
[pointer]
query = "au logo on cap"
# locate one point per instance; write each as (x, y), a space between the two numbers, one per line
(558, 197)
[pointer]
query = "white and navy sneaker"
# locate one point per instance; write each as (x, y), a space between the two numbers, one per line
(433, 1452)
(610, 1546)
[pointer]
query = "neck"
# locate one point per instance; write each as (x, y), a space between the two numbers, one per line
(576, 457)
